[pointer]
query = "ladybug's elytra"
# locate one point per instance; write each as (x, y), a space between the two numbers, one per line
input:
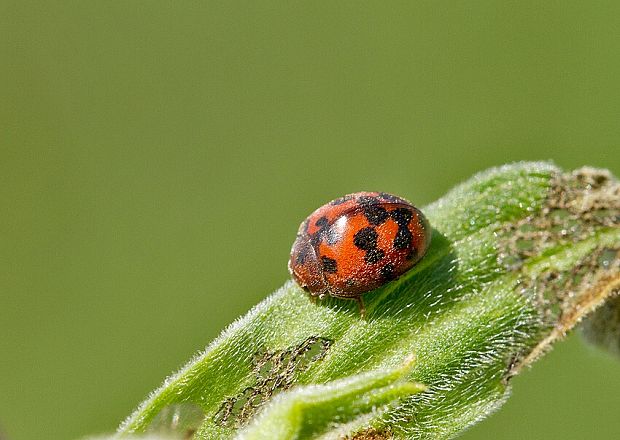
(358, 243)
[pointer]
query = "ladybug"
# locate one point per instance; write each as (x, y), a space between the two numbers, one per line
(358, 243)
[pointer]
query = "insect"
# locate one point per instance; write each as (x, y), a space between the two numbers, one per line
(358, 243)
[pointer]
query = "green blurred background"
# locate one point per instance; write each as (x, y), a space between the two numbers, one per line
(157, 157)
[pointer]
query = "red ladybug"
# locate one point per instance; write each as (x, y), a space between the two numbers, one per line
(358, 243)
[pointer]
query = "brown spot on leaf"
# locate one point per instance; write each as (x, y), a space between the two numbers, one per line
(274, 371)
(578, 204)
(372, 434)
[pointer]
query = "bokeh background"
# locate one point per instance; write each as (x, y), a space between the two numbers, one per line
(156, 158)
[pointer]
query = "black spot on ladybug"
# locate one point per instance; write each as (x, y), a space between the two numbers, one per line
(387, 272)
(390, 198)
(376, 215)
(365, 201)
(302, 255)
(329, 264)
(322, 222)
(366, 238)
(403, 238)
(402, 217)
(340, 200)
(373, 211)
(349, 283)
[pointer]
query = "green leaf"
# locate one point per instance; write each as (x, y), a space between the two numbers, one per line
(310, 411)
(519, 255)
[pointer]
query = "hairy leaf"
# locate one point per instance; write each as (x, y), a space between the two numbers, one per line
(519, 255)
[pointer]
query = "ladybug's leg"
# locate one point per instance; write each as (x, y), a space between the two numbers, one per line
(360, 303)
(314, 297)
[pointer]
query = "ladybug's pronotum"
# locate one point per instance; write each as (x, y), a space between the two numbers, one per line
(358, 243)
